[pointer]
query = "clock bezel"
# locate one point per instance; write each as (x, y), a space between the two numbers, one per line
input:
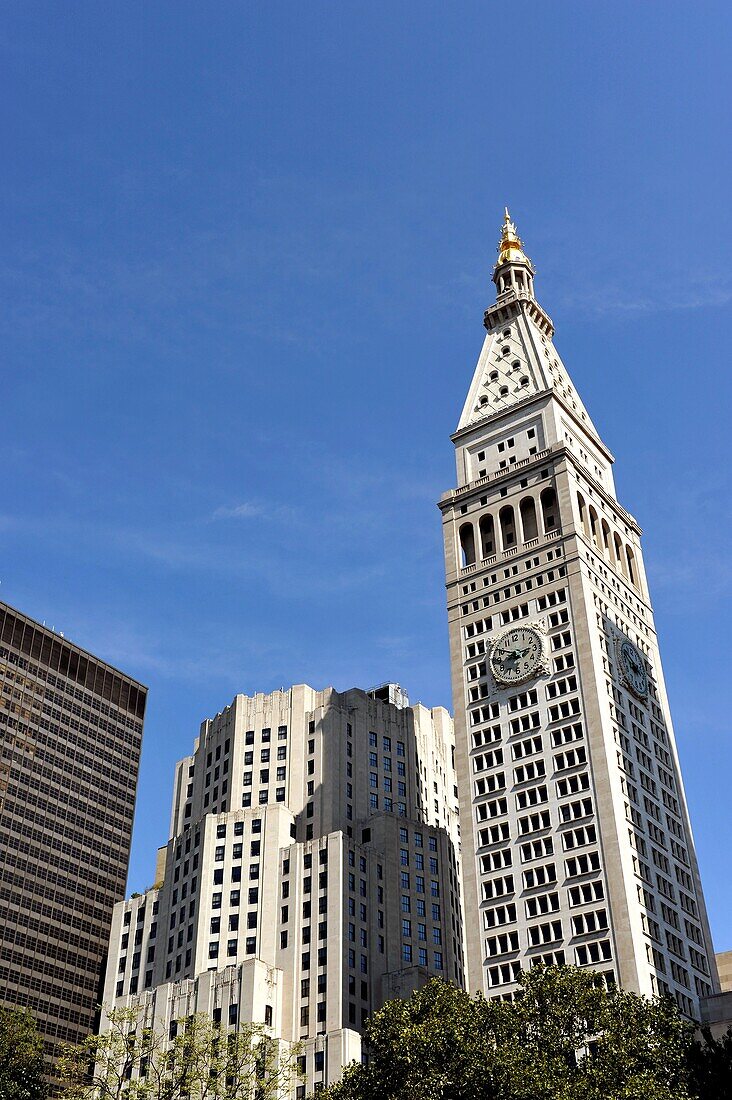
(540, 666)
(620, 641)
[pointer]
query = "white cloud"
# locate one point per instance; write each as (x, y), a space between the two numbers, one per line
(695, 294)
(245, 510)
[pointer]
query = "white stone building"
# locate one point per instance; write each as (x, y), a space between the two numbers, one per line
(576, 839)
(311, 872)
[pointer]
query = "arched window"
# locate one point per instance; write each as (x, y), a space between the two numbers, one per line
(487, 536)
(582, 512)
(527, 510)
(606, 538)
(619, 556)
(630, 558)
(593, 525)
(467, 545)
(508, 527)
(549, 509)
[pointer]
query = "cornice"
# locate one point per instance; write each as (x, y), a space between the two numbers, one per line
(556, 452)
(502, 310)
(496, 414)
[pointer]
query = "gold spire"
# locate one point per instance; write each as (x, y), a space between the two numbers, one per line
(510, 247)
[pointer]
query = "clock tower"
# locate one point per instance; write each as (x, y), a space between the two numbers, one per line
(576, 840)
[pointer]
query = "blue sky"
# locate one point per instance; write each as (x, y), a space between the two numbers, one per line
(245, 253)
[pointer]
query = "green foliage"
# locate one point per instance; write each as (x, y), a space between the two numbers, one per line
(710, 1067)
(21, 1057)
(565, 1037)
(201, 1062)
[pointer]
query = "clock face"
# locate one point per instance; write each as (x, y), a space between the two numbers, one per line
(517, 655)
(633, 668)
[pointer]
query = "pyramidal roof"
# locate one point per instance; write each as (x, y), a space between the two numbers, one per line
(518, 359)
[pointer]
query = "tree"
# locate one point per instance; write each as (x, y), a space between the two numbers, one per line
(710, 1066)
(434, 1046)
(570, 1037)
(565, 1037)
(21, 1057)
(196, 1060)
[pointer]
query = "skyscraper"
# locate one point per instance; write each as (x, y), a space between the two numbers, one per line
(576, 839)
(311, 872)
(71, 737)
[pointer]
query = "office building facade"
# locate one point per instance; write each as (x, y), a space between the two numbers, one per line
(576, 840)
(71, 739)
(311, 873)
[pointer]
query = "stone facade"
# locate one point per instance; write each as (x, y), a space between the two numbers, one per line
(311, 872)
(576, 840)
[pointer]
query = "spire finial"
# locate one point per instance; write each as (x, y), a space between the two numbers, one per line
(510, 247)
